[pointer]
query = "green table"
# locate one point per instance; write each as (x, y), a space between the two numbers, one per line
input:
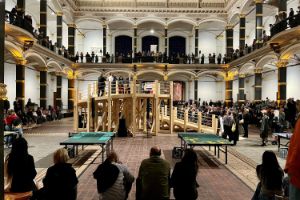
(204, 139)
(103, 139)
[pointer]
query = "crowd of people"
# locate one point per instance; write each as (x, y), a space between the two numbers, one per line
(233, 121)
(154, 180)
(15, 119)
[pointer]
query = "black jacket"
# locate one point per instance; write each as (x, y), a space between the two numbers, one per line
(60, 182)
(184, 182)
(23, 174)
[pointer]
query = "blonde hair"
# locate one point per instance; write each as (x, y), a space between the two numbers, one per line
(60, 156)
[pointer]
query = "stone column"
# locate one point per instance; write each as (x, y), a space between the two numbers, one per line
(134, 40)
(259, 22)
(229, 40)
(228, 91)
(71, 93)
(242, 31)
(43, 87)
(196, 90)
(43, 17)
(258, 85)
(104, 39)
(58, 99)
(59, 29)
(20, 82)
(166, 40)
(242, 98)
(196, 41)
(71, 39)
(282, 74)
(21, 7)
(2, 94)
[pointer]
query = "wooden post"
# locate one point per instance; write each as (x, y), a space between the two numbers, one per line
(213, 122)
(88, 110)
(75, 110)
(95, 89)
(109, 113)
(186, 119)
(134, 105)
(145, 116)
(117, 87)
(199, 121)
(157, 106)
(171, 108)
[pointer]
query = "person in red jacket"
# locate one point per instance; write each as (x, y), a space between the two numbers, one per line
(13, 123)
(292, 166)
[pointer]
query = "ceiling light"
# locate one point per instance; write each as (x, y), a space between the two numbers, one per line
(52, 13)
(151, 31)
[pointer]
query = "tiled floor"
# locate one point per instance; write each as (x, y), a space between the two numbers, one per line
(234, 181)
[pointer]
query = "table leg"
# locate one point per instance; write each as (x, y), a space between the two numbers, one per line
(215, 150)
(226, 154)
(218, 151)
(112, 144)
(278, 138)
(102, 152)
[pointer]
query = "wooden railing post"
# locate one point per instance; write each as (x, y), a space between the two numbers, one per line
(117, 87)
(186, 119)
(214, 123)
(199, 121)
(171, 108)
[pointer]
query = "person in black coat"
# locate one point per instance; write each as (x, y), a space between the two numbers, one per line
(20, 167)
(60, 182)
(183, 178)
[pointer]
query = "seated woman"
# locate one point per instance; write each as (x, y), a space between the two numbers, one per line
(270, 175)
(60, 182)
(19, 168)
(114, 180)
(183, 178)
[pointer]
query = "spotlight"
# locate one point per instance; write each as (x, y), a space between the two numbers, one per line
(151, 31)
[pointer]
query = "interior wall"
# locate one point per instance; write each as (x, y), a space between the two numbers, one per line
(207, 43)
(64, 93)
(51, 88)
(269, 85)
(293, 82)
(32, 85)
(10, 81)
(209, 89)
(249, 88)
(235, 89)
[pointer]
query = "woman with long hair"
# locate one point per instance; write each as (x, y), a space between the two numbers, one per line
(183, 178)
(270, 175)
(20, 169)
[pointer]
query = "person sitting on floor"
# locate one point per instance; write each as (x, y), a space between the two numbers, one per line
(19, 170)
(183, 178)
(154, 177)
(60, 182)
(114, 180)
(270, 176)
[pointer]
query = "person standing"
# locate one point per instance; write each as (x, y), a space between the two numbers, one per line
(246, 119)
(227, 121)
(183, 178)
(154, 177)
(264, 128)
(292, 165)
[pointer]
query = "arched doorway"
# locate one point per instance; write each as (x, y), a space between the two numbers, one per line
(123, 45)
(177, 45)
(147, 41)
